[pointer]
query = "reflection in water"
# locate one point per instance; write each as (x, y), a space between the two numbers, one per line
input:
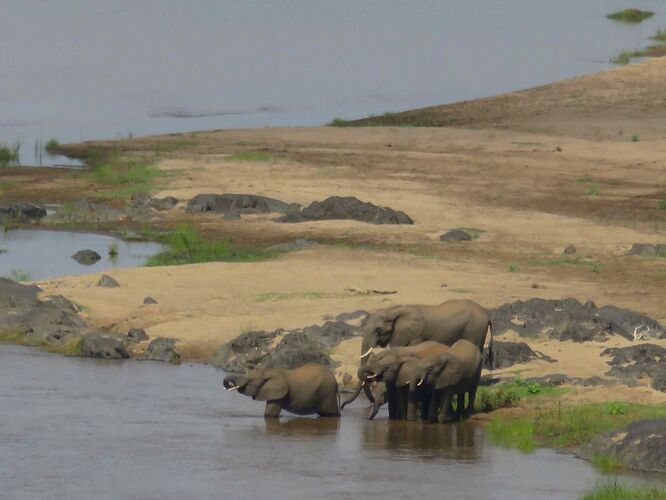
(79, 429)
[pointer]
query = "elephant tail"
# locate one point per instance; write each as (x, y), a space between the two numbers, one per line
(491, 354)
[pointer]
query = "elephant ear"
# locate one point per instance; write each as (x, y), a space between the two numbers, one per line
(273, 388)
(451, 372)
(408, 325)
(407, 373)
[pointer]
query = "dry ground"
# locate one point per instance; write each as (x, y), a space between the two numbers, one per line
(536, 170)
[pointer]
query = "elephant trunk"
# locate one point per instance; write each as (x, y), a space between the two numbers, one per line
(375, 409)
(367, 344)
(353, 396)
(234, 382)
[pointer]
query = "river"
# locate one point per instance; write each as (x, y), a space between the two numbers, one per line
(76, 70)
(79, 429)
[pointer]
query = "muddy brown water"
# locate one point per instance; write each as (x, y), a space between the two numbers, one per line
(75, 70)
(79, 429)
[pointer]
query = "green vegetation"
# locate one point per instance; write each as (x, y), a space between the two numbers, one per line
(9, 155)
(18, 275)
(52, 146)
(250, 156)
(370, 121)
(574, 261)
(512, 267)
(606, 464)
(626, 56)
(123, 176)
(70, 346)
(630, 15)
(584, 178)
(113, 249)
(187, 246)
(635, 138)
(661, 205)
(567, 427)
(659, 36)
(592, 191)
(620, 492)
(509, 394)
(274, 297)
(460, 290)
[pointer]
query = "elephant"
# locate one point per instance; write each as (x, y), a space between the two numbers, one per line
(454, 372)
(310, 389)
(408, 325)
(394, 369)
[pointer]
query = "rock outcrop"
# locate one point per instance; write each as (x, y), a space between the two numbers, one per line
(506, 354)
(348, 208)
(86, 257)
(238, 204)
(638, 361)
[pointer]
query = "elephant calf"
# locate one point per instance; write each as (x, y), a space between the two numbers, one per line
(306, 390)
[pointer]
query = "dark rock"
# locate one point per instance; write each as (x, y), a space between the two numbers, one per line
(162, 349)
(638, 361)
(238, 203)
(350, 316)
(149, 300)
(137, 334)
(594, 380)
(163, 203)
(659, 380)
(455, 235)
(553, 380)
(639, 446)
(23, 211)
(16, 298)
(245, 352)
(570, 250)
(97, 345)
(568, 319)
(107, 281)
(506, 354)
(648, 250)
(139, 200)
(86, 257)
(347, 208)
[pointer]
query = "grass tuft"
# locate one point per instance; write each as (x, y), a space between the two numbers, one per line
(113, 249)
(606, 464)
(592, 191)
(18, 275)
(660, 35)
(625, 56)
(620, 492)
(635, 138)
(661, 205)
(187, 246)
(9, 155)
(630, 15)
(512, 267)
(52, 146)
(121, 176)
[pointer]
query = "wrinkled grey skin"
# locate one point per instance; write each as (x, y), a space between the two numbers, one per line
(310, 389)
(393, 369)
(408, 325)
(454, 372)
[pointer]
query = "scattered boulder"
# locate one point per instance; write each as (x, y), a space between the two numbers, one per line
(359, 314)
(162, 349)
(86, 257)
(639, 446)
(506, 354)
(347, 208)
(295, 348)
(553, 380)
(107, 281)
(137, 334)
(569, 250)
(23, 211)
(568, 319)
(648, 250)
(149, 300)
(238, 204)
(638, 361)
(455, 235)
(163, 203)
(97, 345)
(16, 298)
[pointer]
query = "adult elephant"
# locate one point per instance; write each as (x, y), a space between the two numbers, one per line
(408, 325)
(306, 390)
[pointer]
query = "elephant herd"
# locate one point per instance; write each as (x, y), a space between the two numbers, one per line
(434, 355)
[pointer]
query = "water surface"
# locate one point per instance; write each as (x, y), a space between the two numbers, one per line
(76, 70)
(44, 254)
(79, 429)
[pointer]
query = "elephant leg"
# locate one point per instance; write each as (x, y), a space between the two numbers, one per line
(426, 401)
(460, 407)
(393, 406)
(432, 409)
(470, 403)
(443, 413)
(412, 405)
(329, 407)
(403, 402)
(272, 410)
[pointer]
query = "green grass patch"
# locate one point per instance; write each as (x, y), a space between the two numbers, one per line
(510, 394)
(51, 146)
(584, 178)
(274, 297)
(625, 56)
(592, 191)
(121, 176)
(574, 261)
(660, 35)
(630, 15)
(113, 249)
(570, 426)
(10, 155)
(621, 492)
(512, 267)
(187, 246)
(18, 275)
(661, 205)
(250, 156)
(606, 464)
(635, 138)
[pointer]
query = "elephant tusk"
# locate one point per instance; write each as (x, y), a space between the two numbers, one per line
(234, 388)
(367, 353)
(420, 383)
(370, 377)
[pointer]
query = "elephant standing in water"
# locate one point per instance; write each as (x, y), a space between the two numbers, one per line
(454, 372)
(408, 325)
(394, 369)
(310, 389)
